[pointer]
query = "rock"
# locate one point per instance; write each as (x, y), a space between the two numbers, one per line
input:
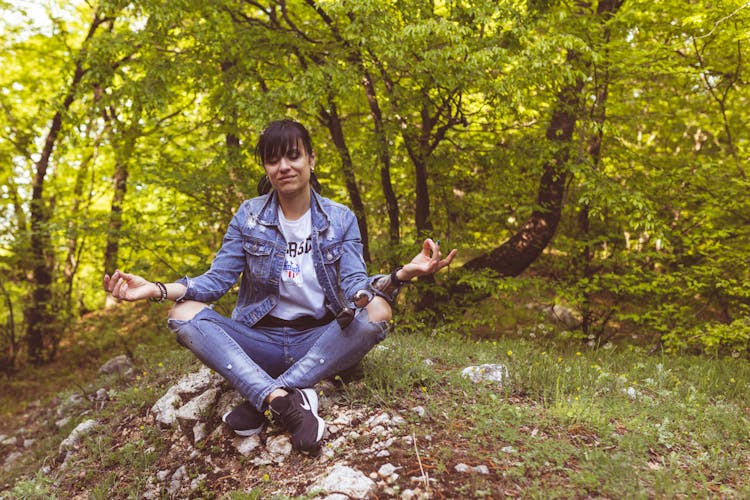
(343, 420)
(187, 387)
(279, 447)
(485, 372)
(227, 401)
(165, 409)
(196, 410)
(481, 469)
(176, 482)
(345, 480)
(119, 364)
(11, 459)
(462, 468)
(381, 419)
(74, 438)
(245, 445)
(337, 443)
(419, 410)
(195, 483)
(386, 470)
(9, 441)
(378, 430)
(199, 432)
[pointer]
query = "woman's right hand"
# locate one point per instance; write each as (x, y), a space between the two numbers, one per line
(130, 287)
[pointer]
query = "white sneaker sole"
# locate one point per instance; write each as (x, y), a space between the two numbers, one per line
(243, 433)
(311, 398)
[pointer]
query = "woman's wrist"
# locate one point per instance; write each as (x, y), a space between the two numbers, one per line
(400, 276)
(161, 292)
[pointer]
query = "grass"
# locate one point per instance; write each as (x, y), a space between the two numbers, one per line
(568, 422)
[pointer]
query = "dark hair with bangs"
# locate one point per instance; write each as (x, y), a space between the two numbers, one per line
(275, 141)
(279, 137)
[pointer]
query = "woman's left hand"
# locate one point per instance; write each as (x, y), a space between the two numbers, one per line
(428, 261)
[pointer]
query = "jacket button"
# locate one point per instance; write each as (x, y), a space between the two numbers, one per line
(329, 256)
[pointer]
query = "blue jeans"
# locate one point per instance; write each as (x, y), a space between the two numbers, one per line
(256, 361)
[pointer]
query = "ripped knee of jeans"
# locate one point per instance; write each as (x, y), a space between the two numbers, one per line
(379, 310)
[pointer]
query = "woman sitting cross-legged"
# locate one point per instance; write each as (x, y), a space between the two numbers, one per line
(306, 308)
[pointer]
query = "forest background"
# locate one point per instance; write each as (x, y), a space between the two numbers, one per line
(602, 146)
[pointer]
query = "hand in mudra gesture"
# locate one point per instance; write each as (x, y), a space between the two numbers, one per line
(128, 287)
(429, 260)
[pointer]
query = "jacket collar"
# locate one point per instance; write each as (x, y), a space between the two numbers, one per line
(269, 212)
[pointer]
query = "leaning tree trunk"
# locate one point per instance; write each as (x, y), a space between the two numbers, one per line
(515, 255)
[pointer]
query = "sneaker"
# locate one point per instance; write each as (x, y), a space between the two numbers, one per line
(297, 412)
(245, 420)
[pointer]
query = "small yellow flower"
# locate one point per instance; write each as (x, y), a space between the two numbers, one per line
(559, 359)
(266, 477)
(732, 381)
(142, 427)
(578, 353)
(424, 389)
(510, 353)
(160, 364)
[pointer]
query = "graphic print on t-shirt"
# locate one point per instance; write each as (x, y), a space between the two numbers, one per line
(300, 293)
(295, 251)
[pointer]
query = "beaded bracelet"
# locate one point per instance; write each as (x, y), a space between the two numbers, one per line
(162, 290)
(397, 282)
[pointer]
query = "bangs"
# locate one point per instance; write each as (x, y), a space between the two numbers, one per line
(280, 137)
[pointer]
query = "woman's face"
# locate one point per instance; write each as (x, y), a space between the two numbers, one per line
(289, 173)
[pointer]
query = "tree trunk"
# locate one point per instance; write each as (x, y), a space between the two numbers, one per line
(383, 151)
(114, 227)
(232, 140)
(515, 255)
(74, 244)
(10, 343)
(384, 155)
(331, 120)
(39, 314)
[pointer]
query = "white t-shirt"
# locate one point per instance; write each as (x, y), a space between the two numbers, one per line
(300, 292)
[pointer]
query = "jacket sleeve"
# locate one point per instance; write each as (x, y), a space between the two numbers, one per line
(353, 271)
(225, 269)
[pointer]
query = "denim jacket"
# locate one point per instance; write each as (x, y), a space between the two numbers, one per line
(254, 247)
